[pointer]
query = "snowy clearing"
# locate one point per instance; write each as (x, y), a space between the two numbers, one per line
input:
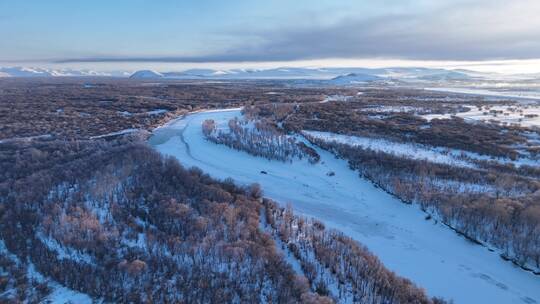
(428, 253)
(407, 150)
(440, 155)
(63, 252)
(28, 138)
(336, 98)
(489, 93)
(59, 294)
(526, 116)
(393, 109)
(157, 112)
(121, 132)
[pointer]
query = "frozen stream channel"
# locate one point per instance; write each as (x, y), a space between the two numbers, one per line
(429, 254)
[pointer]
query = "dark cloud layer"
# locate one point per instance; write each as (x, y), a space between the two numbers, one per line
(480, 30)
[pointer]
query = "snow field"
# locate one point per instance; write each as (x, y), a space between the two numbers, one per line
(525, 116)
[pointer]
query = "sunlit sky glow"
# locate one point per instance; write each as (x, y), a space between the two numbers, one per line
(484, 35)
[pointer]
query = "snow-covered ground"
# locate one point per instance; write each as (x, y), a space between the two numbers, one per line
(523, 115)
(157, 112)
(411, 150)
(121, 132)
(406, 150)
(59, 294)
(336, 98)
(28, 138)
(63, 252)
(428, 253)
(514, 94)
(393, 109)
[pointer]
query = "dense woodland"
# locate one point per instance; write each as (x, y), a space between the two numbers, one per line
(117, 221)
(493, 203)
(71, 108)
(359, 119)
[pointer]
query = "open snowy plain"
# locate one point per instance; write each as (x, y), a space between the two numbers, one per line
(516, 94)
(522, 115)
(425, 251)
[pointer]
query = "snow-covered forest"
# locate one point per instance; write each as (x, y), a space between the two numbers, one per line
(116, 221)
(496, 208)
(335, 264)
(258, 138)
(480, 179)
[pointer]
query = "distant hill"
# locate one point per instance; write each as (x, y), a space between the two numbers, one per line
(353, 78)
(338, 76)
(42, 72)
(334, 76)
(26, 72)
(146, 74)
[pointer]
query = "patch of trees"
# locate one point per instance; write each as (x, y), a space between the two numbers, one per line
(260, 139)
(336, 265)
(79, 108)
(15, 284)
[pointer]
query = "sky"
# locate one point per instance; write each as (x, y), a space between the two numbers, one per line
(242, 33)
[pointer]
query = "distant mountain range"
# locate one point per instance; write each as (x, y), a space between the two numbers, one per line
(353, 78)
(336, 75)
(43, 72)
(330, 76)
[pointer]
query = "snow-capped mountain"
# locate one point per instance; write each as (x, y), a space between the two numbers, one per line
(26, 72)
(42, 72)
(146, 74)
(345, 75)
(337, 76)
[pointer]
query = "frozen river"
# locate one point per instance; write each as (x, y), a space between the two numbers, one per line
(429, 254)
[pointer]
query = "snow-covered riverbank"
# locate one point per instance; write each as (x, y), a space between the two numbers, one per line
(430, 254)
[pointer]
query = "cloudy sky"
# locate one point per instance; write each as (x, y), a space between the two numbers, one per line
(277, 32)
